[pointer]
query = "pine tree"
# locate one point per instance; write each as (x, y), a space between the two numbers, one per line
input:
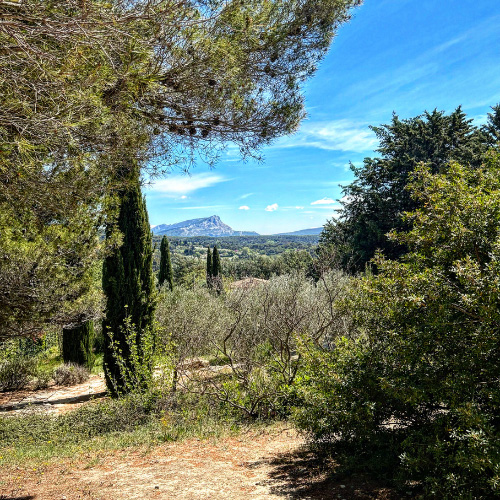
(129, 287)
(209, 268)
(165, 274)
(378, 197)
(77, 344)
(216, 271)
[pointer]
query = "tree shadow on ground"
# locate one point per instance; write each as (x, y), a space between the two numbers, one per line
(304, 475)
(26, 497)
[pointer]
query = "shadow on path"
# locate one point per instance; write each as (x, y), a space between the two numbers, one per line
(302, 475)
(64, 400)
(27, 497)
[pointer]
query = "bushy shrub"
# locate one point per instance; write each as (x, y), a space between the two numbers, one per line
(250, 337)
(417, 389)
(70, 374)
(17, 372)
(43, 378)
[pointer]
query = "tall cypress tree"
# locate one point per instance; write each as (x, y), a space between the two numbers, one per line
(209, 268)
(216, 267)
(128, 285)
(216, 271)
(165, 274)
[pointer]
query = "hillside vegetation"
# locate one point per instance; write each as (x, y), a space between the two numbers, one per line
(379, 342)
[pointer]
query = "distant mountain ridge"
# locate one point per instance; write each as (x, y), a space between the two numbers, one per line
(207, 226)
(303, 232)
(213, 226)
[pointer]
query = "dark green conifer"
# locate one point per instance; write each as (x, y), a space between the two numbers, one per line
(128, 285)
(209, 268)
(165, 274)
(216, 271)
(216, 267)
(77, 344)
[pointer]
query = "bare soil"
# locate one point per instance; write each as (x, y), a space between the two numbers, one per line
(267, 464)
(55, 399)
(259, 465)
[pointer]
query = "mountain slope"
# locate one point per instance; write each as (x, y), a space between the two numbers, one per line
(207, 226)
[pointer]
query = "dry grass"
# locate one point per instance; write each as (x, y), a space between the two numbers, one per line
(260, 464)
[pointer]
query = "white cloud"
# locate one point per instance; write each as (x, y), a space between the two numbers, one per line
(324, 201)
(182, 184)
(299, 208)
(243, 196)
(183, 197)
(272, 208)
(244, 207)
(336, 135)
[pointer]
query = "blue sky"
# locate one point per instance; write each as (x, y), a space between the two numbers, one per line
(395, 55)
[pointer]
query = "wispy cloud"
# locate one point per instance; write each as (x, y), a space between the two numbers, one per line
(244, 196)
(324, 201)
(272, 208)
(183, 184)
(336, 135)
(244, 207)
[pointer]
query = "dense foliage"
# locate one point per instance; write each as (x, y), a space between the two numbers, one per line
(416, 389)
(77, 344)
(250, 336)
(378, 198)
(129, 287)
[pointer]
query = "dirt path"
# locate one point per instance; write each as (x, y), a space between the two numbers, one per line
(266, 465)
(54, 400)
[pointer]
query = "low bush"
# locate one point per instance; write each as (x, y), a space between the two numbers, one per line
(17, 372)
(70, 374)
(249, 335)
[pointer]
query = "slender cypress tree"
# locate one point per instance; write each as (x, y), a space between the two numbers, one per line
(209, 268)
(165, 274)
(216, 271)
(77, 344)
(216, 266)
(129, 286)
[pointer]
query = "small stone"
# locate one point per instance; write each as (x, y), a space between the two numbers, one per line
(157, 487)
(342, 485)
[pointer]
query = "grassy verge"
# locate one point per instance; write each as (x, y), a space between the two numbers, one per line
(133, 421)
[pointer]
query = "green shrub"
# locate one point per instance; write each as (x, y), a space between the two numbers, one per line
(17, 372)
(418, 387)
(252, 331)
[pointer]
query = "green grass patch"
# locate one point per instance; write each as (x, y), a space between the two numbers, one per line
(132, 421)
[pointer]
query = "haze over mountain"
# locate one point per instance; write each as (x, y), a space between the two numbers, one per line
(213, 226)
(303, 232)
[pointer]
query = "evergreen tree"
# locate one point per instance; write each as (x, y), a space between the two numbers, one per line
(209, 268)
(216, 266)
(129, 287)
(216, 271)
(165, 273)
(77, 344)
(378, 197)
